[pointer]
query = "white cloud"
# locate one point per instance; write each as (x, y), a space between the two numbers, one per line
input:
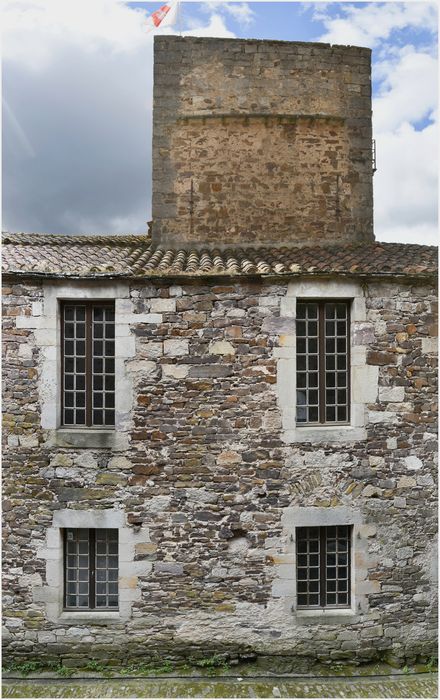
(77, 84)
(240, 11)
(408, 91)
(215, 28)
(406, 185)
(404, 119)
(368, 24)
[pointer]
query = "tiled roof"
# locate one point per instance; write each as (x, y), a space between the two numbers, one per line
(136, 256)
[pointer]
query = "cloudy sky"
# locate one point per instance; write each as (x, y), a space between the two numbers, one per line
(77, 95)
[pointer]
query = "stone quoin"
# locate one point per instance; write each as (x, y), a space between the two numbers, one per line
(220, 438)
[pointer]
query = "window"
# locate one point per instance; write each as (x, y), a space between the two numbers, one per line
(322, 357)
(323, 566)
(88, 361)
(90, 569)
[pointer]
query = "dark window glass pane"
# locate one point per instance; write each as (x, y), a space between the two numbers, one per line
(313, 397)
(69, 347)
(341, 345)
(80, 381)
(80, 347)
(109, 330)
(300, 345)
(109, 365)
(341, 310)
(98, 347)
(313, 362)
(330, 345)
(301, 362)
(80, 365)
(330, 413)
(109, 383)
(98, 314)
(97, 417)
(80, 313)
(301, 380)
(313, 379)
(331, 379)
(313, 414)
(69, 381)
(342, 362)
(109, 401)
(97, 365)
(109, 417)
(330, 310)
(69, 417)
(98, 330)
(109, 347)
(330, 362)
(330, 396)
(80, 417)
(98, 383)
(312, 345)
(69, 313)
(300, 328)
(98, 400)
(300, 311)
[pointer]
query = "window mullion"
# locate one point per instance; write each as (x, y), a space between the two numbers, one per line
(322, 565)
(92, 568)
(321, 362)
(89, 361)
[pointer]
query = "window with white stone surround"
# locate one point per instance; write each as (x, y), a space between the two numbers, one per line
(362, 380)
(285, 551)
(46, 324)
(127, 540)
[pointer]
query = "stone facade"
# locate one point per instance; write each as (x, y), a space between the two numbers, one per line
(285, 125)
(207, 491)
(207, 475)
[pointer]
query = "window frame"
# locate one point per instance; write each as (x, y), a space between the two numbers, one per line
(322, 605)
(321, 303)
(92, 573)
(89, 305)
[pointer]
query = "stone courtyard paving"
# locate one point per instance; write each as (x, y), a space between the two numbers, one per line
(422, 685)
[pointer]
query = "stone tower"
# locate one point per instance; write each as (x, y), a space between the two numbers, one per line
(261, 142)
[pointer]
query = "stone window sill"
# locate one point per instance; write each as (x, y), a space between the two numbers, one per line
(325, 434)
(329, 616)
(94, 616)
(88, 438)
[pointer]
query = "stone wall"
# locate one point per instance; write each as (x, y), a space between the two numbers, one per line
(285, 124)
(209, 491)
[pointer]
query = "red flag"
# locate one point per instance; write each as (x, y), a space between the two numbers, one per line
(165, 16)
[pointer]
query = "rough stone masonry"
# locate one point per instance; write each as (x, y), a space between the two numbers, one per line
(207, 475)
(259, 142)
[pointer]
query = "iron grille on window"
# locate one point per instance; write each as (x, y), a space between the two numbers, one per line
(90, 568)
(88, 345)
(323, 566)
(322, 357)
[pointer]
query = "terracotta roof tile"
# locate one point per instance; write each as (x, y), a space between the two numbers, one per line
(136, 256)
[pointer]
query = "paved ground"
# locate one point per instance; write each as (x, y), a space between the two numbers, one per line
(408, 686)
